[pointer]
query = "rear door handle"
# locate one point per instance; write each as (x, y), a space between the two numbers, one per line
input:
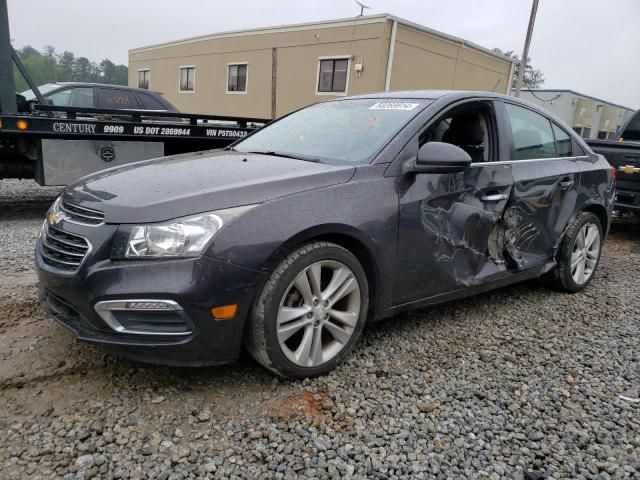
(495, 197)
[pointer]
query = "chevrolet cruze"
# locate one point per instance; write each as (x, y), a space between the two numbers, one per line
(339, 214)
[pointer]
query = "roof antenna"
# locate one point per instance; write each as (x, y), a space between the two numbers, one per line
(362, 6)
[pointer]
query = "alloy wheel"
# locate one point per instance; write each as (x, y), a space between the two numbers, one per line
(586, 251)
(318, 313)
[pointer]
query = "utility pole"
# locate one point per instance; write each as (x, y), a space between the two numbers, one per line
(7, 83)
(525, 52)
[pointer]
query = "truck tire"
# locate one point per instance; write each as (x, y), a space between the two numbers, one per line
(310, 312)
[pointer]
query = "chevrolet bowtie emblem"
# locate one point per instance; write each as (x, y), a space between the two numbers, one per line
(53, 218)
(629, 169)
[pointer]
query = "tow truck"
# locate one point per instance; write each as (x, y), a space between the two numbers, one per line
(57, 145)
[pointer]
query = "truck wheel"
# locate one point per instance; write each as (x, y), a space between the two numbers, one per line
(310, 313)
(579, 253)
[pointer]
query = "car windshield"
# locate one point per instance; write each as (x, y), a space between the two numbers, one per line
(44, 89)
(345, 131)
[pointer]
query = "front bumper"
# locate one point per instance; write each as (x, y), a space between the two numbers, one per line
(196, 285)
(627, 200)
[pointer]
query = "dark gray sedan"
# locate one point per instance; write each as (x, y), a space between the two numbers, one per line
(340, 213)
(101, 96)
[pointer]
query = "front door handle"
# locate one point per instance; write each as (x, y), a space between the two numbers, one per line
(495, 197)
(566, 183)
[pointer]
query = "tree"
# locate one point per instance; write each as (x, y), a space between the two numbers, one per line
(48, 66)
(533, 78)
(66, 61)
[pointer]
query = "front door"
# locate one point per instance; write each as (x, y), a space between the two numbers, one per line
(451, 226)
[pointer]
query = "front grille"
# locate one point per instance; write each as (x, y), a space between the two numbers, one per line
(63, 250)
(83, 215)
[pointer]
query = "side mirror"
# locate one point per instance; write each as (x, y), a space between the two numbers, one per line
(438, 157)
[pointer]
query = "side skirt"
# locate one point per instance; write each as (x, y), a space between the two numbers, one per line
(469, 291)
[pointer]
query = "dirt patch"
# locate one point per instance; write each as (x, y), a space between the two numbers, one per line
(315, 408)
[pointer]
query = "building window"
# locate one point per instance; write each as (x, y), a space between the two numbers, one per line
(602, 135)
(143, 79)
(187, 79)
(333, 75)
(584, 132)
(237, 78)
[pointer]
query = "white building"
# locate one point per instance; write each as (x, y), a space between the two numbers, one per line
(589, 116)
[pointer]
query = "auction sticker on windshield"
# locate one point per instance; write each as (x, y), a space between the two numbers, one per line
(393, 106)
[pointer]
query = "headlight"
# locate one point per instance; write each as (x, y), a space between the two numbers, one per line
(182, 237)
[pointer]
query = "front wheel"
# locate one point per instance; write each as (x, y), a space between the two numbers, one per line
(579, 253)
(310, 312)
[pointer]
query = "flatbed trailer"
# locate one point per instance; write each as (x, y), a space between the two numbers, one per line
(57, 145)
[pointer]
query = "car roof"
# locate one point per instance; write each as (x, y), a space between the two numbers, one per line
(430, 94)
(90, 84)
(452, 96)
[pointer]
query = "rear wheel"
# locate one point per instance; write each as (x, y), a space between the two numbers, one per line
(579, 253)
(310, 312)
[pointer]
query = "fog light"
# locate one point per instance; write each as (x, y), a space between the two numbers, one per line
(22, 124)
(148, 306)
(225, 312)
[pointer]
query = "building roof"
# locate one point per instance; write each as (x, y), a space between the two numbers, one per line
(383, 17)
(573, 92)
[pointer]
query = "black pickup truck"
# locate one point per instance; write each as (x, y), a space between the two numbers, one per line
(624, 155)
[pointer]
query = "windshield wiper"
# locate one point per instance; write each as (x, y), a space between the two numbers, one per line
(297, 156)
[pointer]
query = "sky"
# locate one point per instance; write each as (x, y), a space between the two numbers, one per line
(591, 46)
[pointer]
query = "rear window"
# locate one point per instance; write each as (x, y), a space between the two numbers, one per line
(632, 132)
(149, 102)
(117, 98)
(563, 142)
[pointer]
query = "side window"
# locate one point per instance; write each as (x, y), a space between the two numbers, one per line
(150, 103)
(82, 97)
(563, 142)
(531, 133)
(465, 127)
(61, 98)
(115, 98)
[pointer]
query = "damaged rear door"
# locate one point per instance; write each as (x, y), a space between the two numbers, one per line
(543, 162)
(452, 231)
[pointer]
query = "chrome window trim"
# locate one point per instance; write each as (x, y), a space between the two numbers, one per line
(529, 160)
(104, 309)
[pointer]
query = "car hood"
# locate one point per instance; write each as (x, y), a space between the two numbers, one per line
(176, 186)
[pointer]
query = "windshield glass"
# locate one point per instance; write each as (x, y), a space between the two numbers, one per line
(339, 131)
(44, 89)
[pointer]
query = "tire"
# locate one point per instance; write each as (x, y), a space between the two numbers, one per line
(565, 277)
(310, 344)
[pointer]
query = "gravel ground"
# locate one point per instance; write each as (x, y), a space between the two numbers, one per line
(520, 383)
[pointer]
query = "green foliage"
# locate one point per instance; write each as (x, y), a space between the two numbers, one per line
(48, 66)
(533, 78)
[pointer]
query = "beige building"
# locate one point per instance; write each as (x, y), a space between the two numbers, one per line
(589, 116)
(267, 72)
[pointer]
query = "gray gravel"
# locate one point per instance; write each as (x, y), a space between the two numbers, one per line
(519, 383)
